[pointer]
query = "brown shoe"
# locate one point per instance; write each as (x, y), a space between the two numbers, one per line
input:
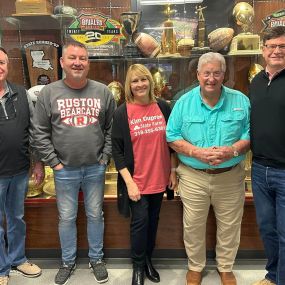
(193, 278)
(228, 278)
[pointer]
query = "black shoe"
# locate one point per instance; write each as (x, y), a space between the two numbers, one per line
(150, 271)
(64, 274)
(99, 270)
(138, 276)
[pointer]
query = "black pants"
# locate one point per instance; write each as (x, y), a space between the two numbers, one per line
(144, 223)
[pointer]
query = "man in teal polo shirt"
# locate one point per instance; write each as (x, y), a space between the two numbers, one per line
(209, 129)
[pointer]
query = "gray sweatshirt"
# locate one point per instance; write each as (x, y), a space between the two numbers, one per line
(73, 126)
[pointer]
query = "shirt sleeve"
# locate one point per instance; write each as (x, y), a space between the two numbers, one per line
(174, 124)
(246, 129)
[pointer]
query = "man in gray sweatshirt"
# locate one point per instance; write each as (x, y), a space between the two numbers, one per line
(73, 121)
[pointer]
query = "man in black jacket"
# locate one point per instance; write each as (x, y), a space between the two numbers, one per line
(267, 98)
(15, 137)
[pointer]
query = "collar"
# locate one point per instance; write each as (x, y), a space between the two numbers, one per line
(219, 103)
(272, 75)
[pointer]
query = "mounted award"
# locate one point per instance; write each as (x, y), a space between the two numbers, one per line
(41, 58)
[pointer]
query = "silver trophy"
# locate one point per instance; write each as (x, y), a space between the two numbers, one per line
(130, 21)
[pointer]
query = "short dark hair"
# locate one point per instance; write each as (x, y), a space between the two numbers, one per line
(3, 50)
(74, 44)
(273, 33)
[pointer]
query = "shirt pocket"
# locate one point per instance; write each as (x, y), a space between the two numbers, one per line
(193, 129)
(232, 126)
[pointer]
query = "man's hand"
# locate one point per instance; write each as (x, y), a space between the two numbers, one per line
(58, 166)
(38, 172)
(213, 155)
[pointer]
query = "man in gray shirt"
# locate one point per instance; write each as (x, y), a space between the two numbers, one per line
(73, 122)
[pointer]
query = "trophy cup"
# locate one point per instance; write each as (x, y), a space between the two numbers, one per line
(245, 42)
(130, 21)
(201, 33)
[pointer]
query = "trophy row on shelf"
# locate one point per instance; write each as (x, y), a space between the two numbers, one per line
(123, 39)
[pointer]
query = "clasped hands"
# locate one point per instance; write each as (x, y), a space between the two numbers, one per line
(214, 155)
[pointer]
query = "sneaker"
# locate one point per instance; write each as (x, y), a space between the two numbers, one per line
(27, 269)
(64, 274)
(4, 280)
(264, 282)
(99, 270)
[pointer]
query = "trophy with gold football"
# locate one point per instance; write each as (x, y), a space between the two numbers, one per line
(245, 42)
(130, 21)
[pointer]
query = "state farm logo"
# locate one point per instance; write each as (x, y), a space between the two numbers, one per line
(79, 121)
(79, 112)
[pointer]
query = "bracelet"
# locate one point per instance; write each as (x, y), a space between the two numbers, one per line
(173, 169)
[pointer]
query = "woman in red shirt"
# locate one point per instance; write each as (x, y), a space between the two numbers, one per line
(146, 167)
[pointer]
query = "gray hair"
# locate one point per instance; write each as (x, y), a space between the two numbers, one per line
(209, 57)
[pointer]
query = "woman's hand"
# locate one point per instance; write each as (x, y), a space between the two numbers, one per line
(173, 181)
(133, 191)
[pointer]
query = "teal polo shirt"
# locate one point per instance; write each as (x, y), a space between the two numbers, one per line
(204, 126)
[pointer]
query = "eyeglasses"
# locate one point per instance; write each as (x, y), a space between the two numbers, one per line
(215, 74)
(274, 47)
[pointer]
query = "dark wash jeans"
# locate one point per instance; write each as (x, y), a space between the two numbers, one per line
(268, 186)
(144, 223)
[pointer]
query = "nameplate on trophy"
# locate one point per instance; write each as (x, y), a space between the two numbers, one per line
(41, 58)
(33, 7)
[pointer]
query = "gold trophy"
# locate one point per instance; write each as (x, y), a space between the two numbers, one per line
(118, 92)
(201, 46)
(130, 21)
(168, 38)
(253, 70)
(245, 42)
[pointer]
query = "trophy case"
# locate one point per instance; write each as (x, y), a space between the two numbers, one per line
(168, 36)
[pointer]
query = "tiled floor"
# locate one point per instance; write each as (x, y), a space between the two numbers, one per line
(172, 272)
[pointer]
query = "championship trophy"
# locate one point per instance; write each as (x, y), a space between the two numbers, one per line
(130, 21)
(245, 42)
(168, 37)
(201, 46)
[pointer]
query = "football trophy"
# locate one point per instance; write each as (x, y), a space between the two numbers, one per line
(130, 21)
(245, 42)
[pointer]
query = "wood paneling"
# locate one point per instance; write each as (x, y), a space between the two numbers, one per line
(42, 231)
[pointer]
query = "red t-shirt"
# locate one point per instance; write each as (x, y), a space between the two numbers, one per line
(151, 153)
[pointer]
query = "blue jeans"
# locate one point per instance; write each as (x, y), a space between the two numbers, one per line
(68, 182)
(268, 186)
(13, 191)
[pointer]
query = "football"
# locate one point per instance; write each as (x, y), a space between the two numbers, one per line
(220, 38)
(148, 46)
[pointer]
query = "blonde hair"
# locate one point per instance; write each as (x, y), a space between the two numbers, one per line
(138, 70)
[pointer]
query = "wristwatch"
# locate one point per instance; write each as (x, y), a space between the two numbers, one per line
(235, 152)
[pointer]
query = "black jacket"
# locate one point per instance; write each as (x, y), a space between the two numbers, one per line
(14, 132)
(122, 151)
(267, 130)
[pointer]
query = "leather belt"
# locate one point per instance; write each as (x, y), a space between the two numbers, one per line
(216, 170)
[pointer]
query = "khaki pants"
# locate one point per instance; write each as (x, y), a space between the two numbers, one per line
(225, 192)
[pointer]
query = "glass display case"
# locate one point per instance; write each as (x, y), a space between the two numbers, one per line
(167, 36)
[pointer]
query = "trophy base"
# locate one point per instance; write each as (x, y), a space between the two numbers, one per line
(28, 7)
(131, 51)
(168, 54)
(245, 44)
(200, 50)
